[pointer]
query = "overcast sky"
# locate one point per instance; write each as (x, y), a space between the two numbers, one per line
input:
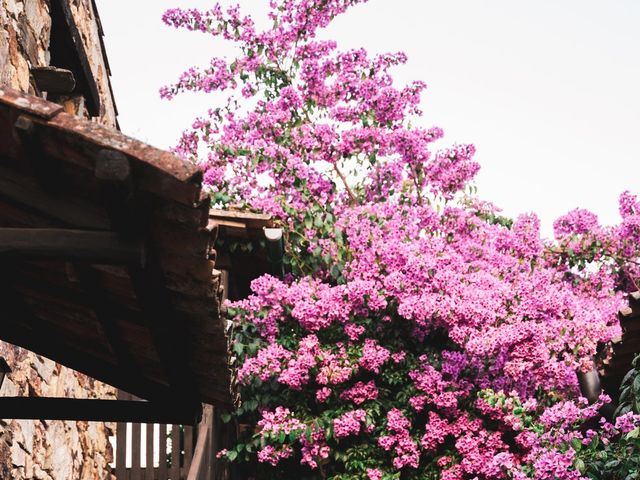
(547, 90)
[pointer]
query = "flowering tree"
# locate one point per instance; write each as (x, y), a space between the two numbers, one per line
(418, 333)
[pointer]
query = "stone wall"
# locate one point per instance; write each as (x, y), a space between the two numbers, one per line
(50, 450)
(25, 29)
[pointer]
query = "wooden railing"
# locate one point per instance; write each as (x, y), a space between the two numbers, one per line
(163, 452)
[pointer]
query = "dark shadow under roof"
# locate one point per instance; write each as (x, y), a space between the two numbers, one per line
(105, 256)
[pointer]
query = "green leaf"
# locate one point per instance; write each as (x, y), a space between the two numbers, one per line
(576, 444)
(633, 433)
(232, 455)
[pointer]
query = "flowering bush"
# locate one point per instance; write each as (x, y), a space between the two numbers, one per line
(418, 333)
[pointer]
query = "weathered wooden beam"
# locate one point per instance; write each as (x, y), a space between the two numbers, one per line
(85, 245)
(53, 80)
(114, 171)
(25, 192)
(47, 408)
(44, 167)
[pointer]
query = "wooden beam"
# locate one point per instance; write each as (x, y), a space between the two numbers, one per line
(53, 80)
(44, 167)
(90, 410)
(96, 247)
(113, 170)
(25, 192)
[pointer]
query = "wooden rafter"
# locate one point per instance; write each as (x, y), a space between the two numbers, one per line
(97, 247)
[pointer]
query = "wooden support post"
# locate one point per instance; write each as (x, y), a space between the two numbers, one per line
(84, 245)
(44, 408)
(201, 465)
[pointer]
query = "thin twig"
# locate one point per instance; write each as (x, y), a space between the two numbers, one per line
(344, 182)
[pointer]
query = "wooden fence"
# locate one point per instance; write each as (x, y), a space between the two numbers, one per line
(157, 452)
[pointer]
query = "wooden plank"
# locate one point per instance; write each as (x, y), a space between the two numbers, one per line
(136, 442)
(84, 245)
(247, 218)
(121, 442)
(149, 468)
(53, 80)
(121, 451)
(174, 473)
(24, 192)
(162, 456)
(188, 447)
(44, 167)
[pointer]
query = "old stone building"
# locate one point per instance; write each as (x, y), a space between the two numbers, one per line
(53, 49)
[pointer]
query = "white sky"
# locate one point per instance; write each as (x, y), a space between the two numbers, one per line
(547, 90)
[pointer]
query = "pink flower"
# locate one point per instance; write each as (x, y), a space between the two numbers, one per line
(349, 423)
(374, 474)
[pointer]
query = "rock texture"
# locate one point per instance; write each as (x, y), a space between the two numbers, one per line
(25, 28)
(50, 450)
(25, 31)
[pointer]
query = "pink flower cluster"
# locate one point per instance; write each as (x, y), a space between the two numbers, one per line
(400, 440)
(360, 392)
(280, 420)
(349, 424)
